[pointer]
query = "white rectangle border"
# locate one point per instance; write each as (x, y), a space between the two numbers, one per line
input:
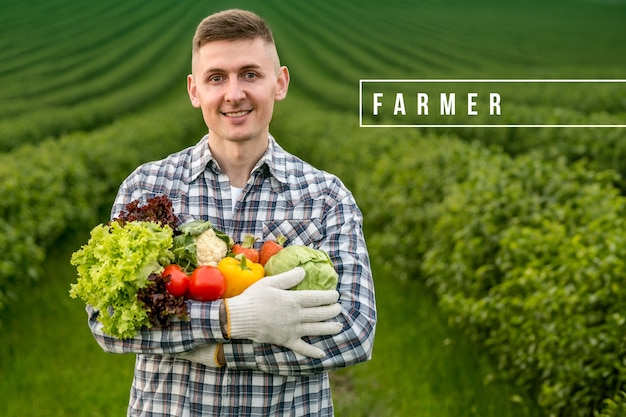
(362, 81)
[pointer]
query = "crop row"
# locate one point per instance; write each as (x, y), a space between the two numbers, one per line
(78, 78)
(81, 71)
(51, 60)
(527, 255)
(58, 57)
(602, 148)
(336, 45)
(110, 76)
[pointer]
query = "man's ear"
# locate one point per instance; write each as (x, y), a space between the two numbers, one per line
(282, 83)
(192, 91)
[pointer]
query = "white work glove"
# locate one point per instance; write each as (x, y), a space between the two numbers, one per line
(268, 312)
(205, 354)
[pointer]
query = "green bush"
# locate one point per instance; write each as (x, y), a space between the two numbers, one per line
(65, 184)
(614, 407)
(602, 148)
(527, 255)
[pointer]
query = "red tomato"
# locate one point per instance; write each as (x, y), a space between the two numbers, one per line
(206, 284)
(178, 282)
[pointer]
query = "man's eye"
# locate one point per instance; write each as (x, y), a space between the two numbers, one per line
(250, 75)
(215, 78)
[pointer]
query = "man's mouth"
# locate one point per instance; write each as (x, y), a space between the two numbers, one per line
(237, 113)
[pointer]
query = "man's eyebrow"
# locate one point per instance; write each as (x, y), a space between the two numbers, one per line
(222, 70)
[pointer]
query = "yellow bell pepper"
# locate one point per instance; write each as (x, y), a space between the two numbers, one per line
(239, 272)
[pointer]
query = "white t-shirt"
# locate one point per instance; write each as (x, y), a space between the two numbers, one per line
(235, 192)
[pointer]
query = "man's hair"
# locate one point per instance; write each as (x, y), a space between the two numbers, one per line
(231, 25)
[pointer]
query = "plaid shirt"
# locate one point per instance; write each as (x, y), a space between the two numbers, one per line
(284, 195)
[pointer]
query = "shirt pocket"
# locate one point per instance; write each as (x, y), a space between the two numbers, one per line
(305, 232)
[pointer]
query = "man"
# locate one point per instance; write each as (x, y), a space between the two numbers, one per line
(266, 352)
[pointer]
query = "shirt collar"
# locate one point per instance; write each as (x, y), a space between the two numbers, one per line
(273, 160)
(200, 158)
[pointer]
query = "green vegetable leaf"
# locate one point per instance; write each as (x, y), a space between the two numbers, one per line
(114, 265)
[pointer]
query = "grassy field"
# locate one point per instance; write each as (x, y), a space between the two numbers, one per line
(421, 367)
(49, 362)
(70, 67)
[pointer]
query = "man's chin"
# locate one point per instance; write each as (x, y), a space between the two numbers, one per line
(237, 137)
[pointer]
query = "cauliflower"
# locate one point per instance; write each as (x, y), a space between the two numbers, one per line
(210, 249)
(198, 244)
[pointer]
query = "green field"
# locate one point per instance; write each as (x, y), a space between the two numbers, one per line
(497, 252)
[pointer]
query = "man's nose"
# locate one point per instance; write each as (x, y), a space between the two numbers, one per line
(234, 90)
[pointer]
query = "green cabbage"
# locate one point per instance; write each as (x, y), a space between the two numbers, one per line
(114, 265)
(320, 273)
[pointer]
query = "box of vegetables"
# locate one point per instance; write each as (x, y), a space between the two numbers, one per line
(141, 268)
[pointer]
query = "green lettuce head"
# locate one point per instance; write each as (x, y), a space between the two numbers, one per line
(320, 273)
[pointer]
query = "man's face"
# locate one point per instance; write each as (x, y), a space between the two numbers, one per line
(235, 83)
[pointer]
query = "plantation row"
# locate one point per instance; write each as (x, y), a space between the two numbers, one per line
(78, 67)
(121, 66)
(58, 62)
(602, 148)
(329, 46)
(528, 255)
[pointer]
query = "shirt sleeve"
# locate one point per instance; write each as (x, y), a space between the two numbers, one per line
(180, 336)
(345, 243)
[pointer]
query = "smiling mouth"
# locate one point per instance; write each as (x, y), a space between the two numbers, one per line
(237, 113)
